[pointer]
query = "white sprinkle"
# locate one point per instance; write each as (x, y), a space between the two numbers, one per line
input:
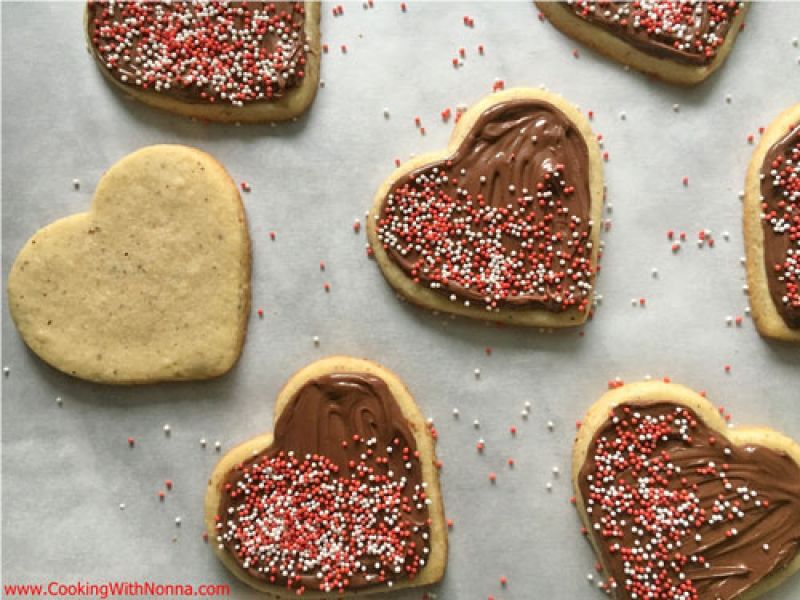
(217, 445)
(622, 115)
(76, 183)
(550, 425)
(589, 577)
(6, 371)
(59, 401)
(455, 413)
(728, 98)
(316, 340)
(122, 507)
(177, 521)
(476, 424)
(477, 373)
(654, 272)
(202, 442)
(527, 404)
(765, 547)
(676, 108)
(386, 112)
(549, 486)
(556, 471)
(166, 429)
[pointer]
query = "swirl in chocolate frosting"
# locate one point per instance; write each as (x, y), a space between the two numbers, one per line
(780, 209)
(678, 512)
(503, 222)
(686, 32)
(344, 460)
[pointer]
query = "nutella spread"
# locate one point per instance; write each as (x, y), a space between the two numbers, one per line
(338, 500)
(505, 222)
(780, 210)
(689, 32)
(679, 512)
(202, 52)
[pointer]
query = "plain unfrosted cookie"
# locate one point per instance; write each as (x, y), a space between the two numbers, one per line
(333, 500)
(677, 504)
(152, 284)
(677, 42)
(772, 229)
(218, 61)
(502, 225)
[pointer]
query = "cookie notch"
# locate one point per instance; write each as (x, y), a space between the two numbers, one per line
(100, 297)
(426, 298)
(434, 569)
(643, 394)
(767, 319)
(291, 105)
(608, 44)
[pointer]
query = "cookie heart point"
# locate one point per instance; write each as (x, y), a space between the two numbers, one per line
(677, 505)
(152, 284)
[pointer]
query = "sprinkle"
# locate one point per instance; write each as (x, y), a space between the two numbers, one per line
(549, 486)
(550, 425)
(245, 186)
(166, 429)
(455, 413)
(76, 183)
(676, 108)
(493, 477)
(6, 371)
(202, 442)
(315, 339)
(217, 445)
(168, 483)
(477, 373)
(59, 401)
(476, 424)
(177, 521)
(122, 506)
(131, 442)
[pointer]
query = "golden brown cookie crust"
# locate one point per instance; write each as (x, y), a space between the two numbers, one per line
(621, 51)
(426, 298)
(646, 393)
(149, 285)
(768, 320)
(291, 105)
(437, 560)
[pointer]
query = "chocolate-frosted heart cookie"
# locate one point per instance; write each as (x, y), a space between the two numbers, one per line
(678, 505)
(216, 60)
(342, 499)
(678, 42)
(502, 225)
(772, 229)
(151, 284)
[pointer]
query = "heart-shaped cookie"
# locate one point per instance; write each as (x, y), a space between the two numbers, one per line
(678, 42)
(216, 60)
(343, 498)
(678, 505)
(772, 229)
(152, 284)
(502, 224)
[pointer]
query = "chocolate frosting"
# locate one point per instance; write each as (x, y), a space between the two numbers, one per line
(781, 209)
(489, 186)
(745, 499)
(685, 32)
(251, 53)
(324, 413)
